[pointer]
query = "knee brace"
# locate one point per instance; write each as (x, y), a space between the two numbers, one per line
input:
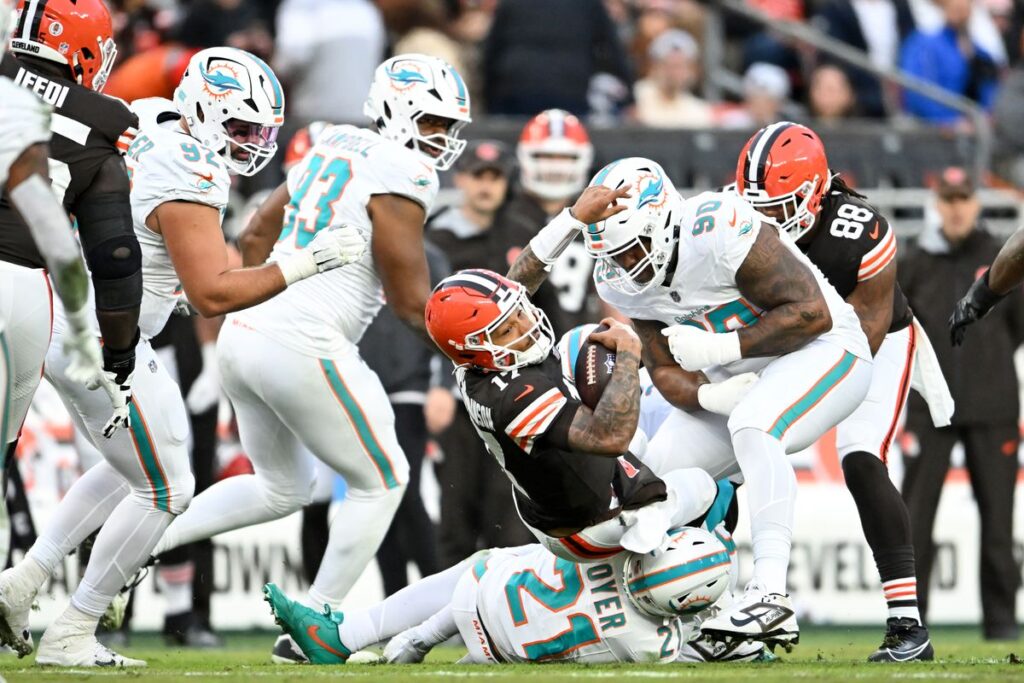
(111, 250)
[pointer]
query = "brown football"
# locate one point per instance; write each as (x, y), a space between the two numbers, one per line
(594, 366)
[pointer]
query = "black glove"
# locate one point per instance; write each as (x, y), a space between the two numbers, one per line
(119, 370)
(975, 305)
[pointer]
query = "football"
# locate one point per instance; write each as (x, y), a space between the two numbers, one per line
(588, 364)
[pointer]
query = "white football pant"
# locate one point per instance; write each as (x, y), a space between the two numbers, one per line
(337, 409)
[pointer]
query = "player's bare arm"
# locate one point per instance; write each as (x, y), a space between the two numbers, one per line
(397, 247)
(257, 240)
(608, 429)
(594, 205)
(1007, 270)
(795, 310)
(872, 299)
(196, 245)
(678, 386)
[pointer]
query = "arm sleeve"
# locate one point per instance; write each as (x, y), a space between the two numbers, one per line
(881, 254)
(534, 407)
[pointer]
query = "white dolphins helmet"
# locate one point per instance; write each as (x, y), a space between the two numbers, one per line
(408, 87)
(650, 221)
(687, 577)
(233, 104)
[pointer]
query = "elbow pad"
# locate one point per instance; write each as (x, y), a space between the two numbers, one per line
(111, 250)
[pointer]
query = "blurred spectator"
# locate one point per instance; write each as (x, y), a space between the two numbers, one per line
(765, 91)
(544, 53)
(951, 59)
(653, 18)
(420, 26)
(877, 27)
(665, 99)
(234, 23)
(830, 96)
(982, 27)
(1008, 150)
(326, 53)
(474, 491)
(935, 273)
(766, 46)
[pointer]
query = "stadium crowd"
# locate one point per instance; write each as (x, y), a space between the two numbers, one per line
(635, 62)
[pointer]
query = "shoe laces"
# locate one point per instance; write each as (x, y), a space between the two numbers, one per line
(335, 617)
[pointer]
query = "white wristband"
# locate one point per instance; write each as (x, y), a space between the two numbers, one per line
(553, 238)
(730, 348)
(297, 267)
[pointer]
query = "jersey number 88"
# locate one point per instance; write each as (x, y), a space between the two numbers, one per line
(850, 221)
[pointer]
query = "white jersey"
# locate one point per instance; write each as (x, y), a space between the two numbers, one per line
(717, 232)
(24, 121)
(326, 315)
(166, 164)
(537, 607)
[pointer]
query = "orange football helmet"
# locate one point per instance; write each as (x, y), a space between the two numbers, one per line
(77, 33)
(783, 172)
(467, 308)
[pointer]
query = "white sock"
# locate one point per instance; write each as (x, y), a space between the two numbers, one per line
(176, 586)
(437, 629)
(230, 504)
(85, 508)
(771, 496)
(409, 607)
(122, 546)
(356, 533)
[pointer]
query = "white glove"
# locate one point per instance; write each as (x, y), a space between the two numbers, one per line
(205, 390)
(723, 397)
(332, 247)
(85, 358)
(120, 393)
(695, 349)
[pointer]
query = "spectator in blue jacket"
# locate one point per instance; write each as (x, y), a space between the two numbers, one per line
(951, 59)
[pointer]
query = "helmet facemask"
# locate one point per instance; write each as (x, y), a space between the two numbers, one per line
(448, 144)
(260, 143)
(503, 355)
(552, 175)
(108, 55)
(627, 282)
(797, 215)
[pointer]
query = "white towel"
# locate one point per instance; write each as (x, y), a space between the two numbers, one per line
(929, 381)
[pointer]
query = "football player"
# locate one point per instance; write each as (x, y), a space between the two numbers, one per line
(716, 294)
(522, 605)
(783, 172)
(576, 485)
(223, 120)
(24, 180)
(291, 366)
(62, 51)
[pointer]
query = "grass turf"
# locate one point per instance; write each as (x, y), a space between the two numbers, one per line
(824, 654)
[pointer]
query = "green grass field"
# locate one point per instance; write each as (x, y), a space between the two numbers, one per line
(824, 654)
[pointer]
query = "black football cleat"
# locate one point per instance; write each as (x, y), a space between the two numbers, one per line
(905, 641)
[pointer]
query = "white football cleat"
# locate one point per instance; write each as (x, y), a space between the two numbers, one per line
(758, 615)
(704, 649)
(16, 598)
(63, 647)
(405, 648)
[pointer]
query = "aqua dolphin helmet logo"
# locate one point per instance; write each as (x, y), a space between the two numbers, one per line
(406, 76)
(651, 193)
(220, 80)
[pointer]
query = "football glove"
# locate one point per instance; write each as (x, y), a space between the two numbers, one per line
(975, 305)
(695, 349)
(333, 247)
(723, 397)
(82, 347)
(118, 373)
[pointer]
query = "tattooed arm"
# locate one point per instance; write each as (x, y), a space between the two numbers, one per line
(596, 204)
(872, 299)
(773, 278)
(528, 270)
(678, 386)
(608, 429)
